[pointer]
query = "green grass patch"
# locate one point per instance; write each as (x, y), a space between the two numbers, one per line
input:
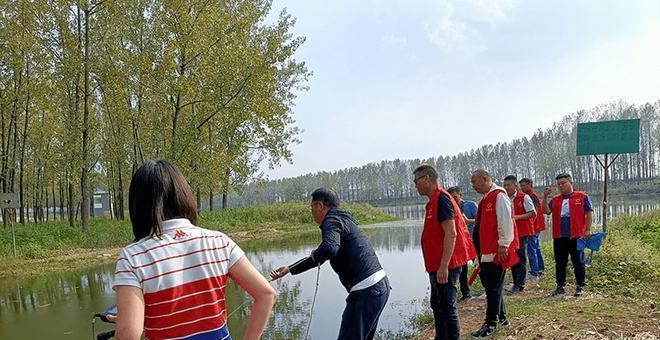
(38, 241)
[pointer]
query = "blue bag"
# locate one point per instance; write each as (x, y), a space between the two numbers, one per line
(593, 243)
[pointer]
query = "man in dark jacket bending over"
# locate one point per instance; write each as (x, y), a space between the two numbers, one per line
(353, 259)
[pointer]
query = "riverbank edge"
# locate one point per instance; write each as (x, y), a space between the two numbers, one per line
(71, 260)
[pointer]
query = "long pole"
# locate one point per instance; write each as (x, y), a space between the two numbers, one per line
(604, 214)
(13, 235)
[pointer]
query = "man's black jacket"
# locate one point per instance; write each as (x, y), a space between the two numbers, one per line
(346, 246)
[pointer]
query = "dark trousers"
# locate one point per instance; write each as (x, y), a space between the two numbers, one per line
(563, 247)
(443, 304)
(519, 271)
(492, 278)
(534, 255)
(363, 307)
(463, 281)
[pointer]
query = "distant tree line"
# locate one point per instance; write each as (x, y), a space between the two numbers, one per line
(90, 89)
(540, 157)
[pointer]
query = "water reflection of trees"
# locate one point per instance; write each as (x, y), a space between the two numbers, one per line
(396, 238)
(293, 242)
(29, 295)
(389, 238)
(408, 212)
(287, 321)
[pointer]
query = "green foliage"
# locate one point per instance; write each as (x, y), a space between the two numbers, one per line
(40, 240)
(629, 261)
(90, 89)
(647, 228)
(258, 216)
(33, 251)
(281, 215)
(650, 189)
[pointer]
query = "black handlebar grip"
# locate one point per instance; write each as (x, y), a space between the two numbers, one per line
(105, 335)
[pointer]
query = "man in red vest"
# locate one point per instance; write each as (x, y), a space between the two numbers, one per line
(572, 215)
(536, 265)
(524, 214)
(446, 246)
(496, 239)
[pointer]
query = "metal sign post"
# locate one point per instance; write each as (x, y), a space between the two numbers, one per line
(10, 200)
(614, 136)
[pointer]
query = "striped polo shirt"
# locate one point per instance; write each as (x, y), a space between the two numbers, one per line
(183, 276)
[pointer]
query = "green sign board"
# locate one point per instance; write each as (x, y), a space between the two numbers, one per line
(614, 136)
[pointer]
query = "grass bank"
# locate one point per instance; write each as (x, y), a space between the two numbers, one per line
(56, 247)
(623, 292)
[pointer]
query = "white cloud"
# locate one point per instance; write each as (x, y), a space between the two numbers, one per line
(394, 40)
(452, 25)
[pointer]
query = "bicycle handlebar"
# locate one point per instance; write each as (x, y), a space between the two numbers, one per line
(105, 335)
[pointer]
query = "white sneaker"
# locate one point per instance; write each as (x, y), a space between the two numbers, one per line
(530, 278)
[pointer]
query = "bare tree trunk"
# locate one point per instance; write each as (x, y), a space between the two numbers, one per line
(112, 192)
(84, 179)
(120, 194)
(72, 214)
(61, 192)
(22, 161)
(46, 205)
(54, 204)
(35, 206)
(225, 188)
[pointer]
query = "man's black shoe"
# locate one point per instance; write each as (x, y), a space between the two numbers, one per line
(579, 290)
(559, 292)
(484, 331)
(504, 323)
(514, 290)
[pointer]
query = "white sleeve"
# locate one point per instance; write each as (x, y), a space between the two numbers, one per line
(504, 220)
(125, 273)
(234, 252)
(529, 204)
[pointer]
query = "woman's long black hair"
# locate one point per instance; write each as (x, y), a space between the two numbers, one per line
(159, 192)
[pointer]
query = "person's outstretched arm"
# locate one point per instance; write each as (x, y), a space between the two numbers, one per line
(250, 280)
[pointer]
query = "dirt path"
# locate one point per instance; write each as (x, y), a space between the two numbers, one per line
(536, 315)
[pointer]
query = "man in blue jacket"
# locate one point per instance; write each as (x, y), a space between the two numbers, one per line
(469, 210)
(353, 259)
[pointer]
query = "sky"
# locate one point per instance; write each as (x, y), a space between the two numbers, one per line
(417, 79)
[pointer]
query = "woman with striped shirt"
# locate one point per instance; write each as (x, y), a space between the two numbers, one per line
(171, 281)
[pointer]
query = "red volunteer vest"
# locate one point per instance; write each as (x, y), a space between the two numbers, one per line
(576, 212)
(525, 227)
(488, 233)
(539, 223)
(433, 236)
